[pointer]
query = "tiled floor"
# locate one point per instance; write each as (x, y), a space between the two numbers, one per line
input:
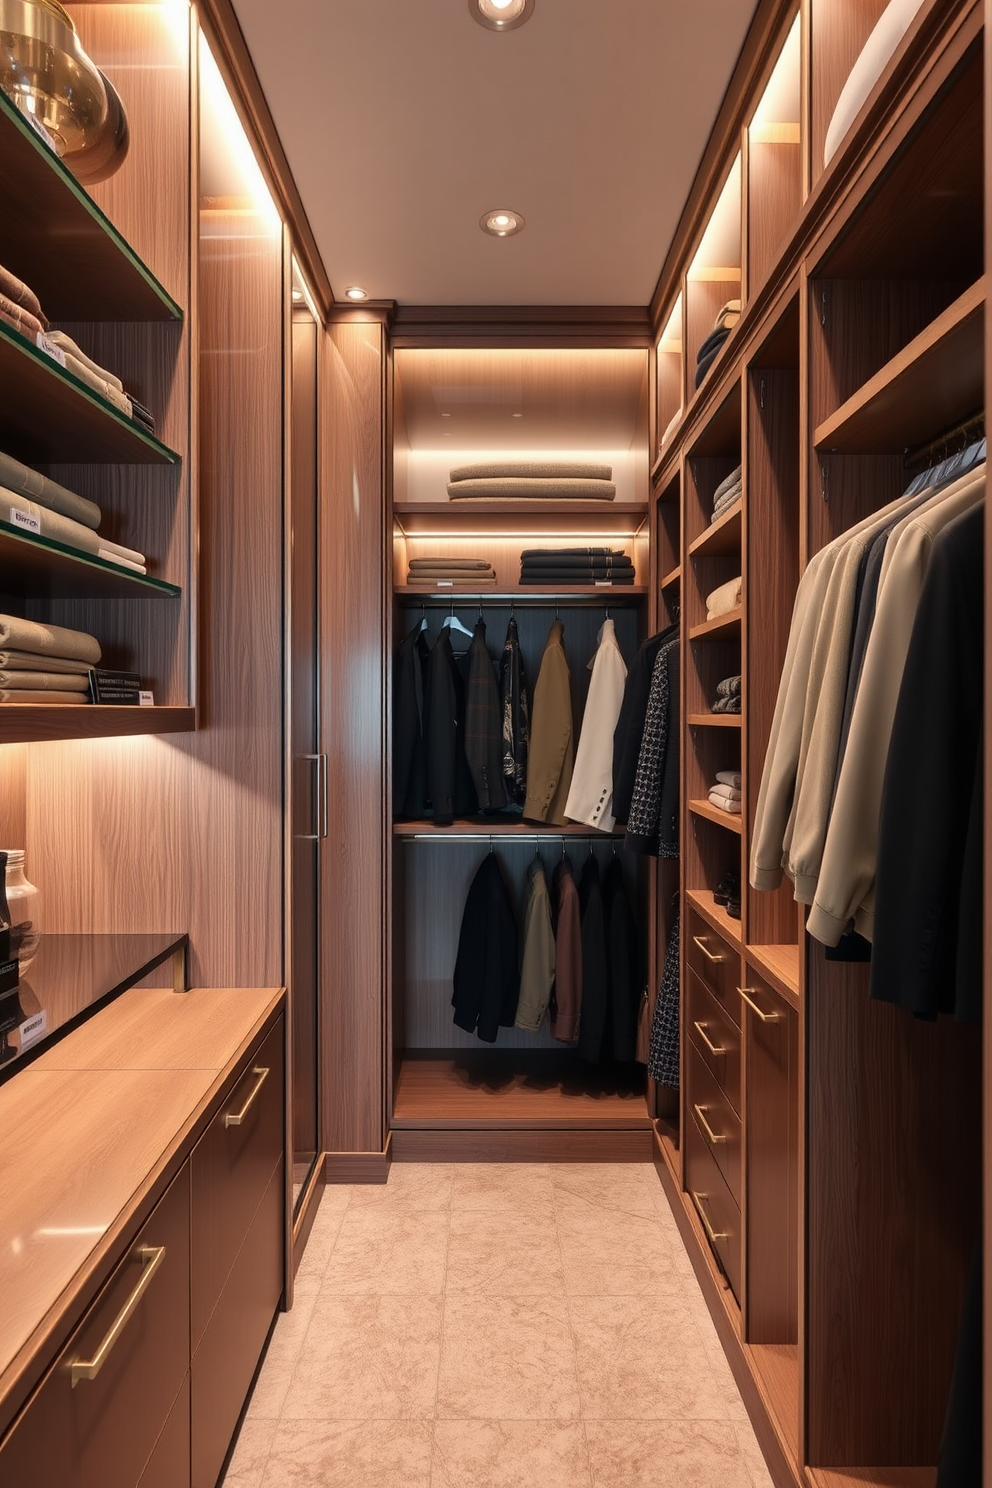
(497, 1327)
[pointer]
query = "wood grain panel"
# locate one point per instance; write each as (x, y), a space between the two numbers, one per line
(353, 589)
(522, 1146)
(490, 1089)
(840, 29)
(359, 1167)
(774, 200)
(168, 1466)
(13, 796)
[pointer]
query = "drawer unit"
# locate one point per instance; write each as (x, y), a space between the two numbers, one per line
(714, 1203)
(715, 962)
(97, 1416)
(716, 1037)
(718, 1122)
(231, 1168)
(169, 1465)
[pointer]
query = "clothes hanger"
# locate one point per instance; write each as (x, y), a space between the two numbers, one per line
(423, 618)
(452, 622)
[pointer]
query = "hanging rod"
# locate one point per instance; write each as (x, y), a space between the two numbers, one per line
(552, 838)
(960, 435)
(614, 595)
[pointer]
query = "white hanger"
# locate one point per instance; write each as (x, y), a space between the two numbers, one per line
(452, 622)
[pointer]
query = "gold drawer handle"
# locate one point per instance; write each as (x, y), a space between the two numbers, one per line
(713, 1048)
(712, 1136)
(237, 1118)
(765, 1017)
(700, 942)
(712, 1235)
(151, 1257)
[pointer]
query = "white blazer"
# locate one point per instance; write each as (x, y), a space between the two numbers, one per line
(590, 799)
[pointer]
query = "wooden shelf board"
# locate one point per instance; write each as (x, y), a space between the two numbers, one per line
(443, 518)
(724, 627)
(485, 827)
(715, 914)
(872, 1477)
(712, 813)
(49, 221)
(610, 594)
(932, 383)
(515, 1090)
(47, 415)
(714, 720)
(666, 490)
(674, 576)
(37, 568)
(722, 536)
(780, 964)
(30, 722)
(777, 1367)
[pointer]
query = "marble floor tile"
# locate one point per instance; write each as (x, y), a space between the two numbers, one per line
(628, 1187)
(507, 1189)
(369, 1357)
(250, 1453)
(507, 1358)
(414, 1186)
(388, 1250)
(612, 1252)
(638, 1361)
(320, 1242)
(285, 1346)
(752, 1454)
(509, 1454)
(350, 1454)
(665, 1454)
(515, 1257)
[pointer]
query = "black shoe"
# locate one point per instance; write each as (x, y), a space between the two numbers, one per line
(734, 908)
(729, 887)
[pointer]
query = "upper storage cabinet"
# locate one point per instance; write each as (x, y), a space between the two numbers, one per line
(714, 284)
(774, 162)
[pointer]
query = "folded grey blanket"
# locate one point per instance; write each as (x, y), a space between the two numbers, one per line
(523, 488)
(729, 687)
(27, 482)
(532, 470)
(48, 640)
(733, 479)
(43, 681)
(30, 696)
(65, 530)
(28, 661)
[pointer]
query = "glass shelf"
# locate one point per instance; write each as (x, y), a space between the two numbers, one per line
(35, 567)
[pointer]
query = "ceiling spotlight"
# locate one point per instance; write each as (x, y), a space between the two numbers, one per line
(501, 223)
(355, 292)
(501, 15)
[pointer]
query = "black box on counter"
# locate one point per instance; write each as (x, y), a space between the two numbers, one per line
(119, 688)
(11, 1014)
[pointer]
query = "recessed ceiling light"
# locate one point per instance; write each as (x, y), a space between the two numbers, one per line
(501, 15)
(501, 222)
(516, 415)
(355, 292)
(446, 415)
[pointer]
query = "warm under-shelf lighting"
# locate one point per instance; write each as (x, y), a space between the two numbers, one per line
(776, 118)
(222, 132)
(720, 247)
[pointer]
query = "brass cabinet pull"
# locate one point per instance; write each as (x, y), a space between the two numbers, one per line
(772, 1017)
(712, 1235)
(713, 1048)
(236, 1118)
(711, 1135)
(151, 1257)
(700, 942)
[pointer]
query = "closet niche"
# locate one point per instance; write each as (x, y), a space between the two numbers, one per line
(454, 1095)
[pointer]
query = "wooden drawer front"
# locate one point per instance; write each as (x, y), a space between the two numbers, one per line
(716, 963)
(719, 1215)
(228, 1355)
(716, 1037)
(101, 1432)
(719, 1124)
(232, 1166)
(169, 1465)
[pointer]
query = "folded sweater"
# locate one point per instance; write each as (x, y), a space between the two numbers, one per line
(733, 807)
(27, 482)
(729, 777)
(29, 695)
(22, 320)
(43, 681)
(721, 601)
(48, 640)
(531, 470)
(29, 661)
(67, 344)
(65, 530)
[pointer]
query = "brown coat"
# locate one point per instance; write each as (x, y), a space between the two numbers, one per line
(552, 743)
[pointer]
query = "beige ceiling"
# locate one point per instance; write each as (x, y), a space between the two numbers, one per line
(404, 121)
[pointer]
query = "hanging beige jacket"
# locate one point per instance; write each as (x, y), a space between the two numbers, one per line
(590, 799)
(537, 958)
(552, 747)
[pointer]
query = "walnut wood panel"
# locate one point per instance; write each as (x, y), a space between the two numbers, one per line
(715, 959)
(353, 586)
(487, 518)
(13, 796)
(777, 1367)
(839, 31)
(228, 1354)
(230, 1171)
(100, 1433)
(872, 1477)
(709, 1107)
(712, 1198)
(715, 915)
(715, 1033)
(774, 202)
(523, 1146)
(729, 820)
(779, 964)
(490, 1089)
(987, 871)
(893, 1177)
(359, 1167)
(168, 1466)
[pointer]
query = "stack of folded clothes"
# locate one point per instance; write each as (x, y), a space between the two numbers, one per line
(35, 503)
(728, 695)
(44, 663)
(551, 566)
(728, 893)
(726, 794)
(726, 494)
(21, 309)
(538, 480)
(444, 572)
(707, 354)
(721, 601)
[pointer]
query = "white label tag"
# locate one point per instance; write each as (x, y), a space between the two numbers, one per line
(32, 1030)
(23, 519)
(146, 699)
(50, 349)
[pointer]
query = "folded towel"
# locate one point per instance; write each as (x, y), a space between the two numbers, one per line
(112, 557)
(729, 687)
(29, 696)
(66, 343)
(733, 807)
(517, 488)
(48, 640)
(21, 295)
(44, 681)
(28, 661)
(531, 470)
(473, 564)
(729, 777)
(728, 483)
(22, 320)
(726, 504)
(65, 530)
(726, 705)
(727, 792)
(461, 575)
(721, 601)
(27, 482)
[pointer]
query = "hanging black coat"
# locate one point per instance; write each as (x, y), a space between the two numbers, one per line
(623, 962)
(486, 983)
(595, 1034)
(515, 716)
(483, 729)
(409, 739)
(449, 783)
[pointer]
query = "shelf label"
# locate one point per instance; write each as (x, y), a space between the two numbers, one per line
(146, 699)
(24, 519)
(50, 349)
(32, 1030)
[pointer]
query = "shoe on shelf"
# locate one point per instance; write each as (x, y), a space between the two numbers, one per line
(729, 887)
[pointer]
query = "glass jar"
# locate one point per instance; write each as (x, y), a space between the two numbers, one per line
(23, 904)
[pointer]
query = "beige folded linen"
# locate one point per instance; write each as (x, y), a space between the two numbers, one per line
(724, 599)
(729, 315)
(732, 807)
(532, 470)
(29, 661)
(22, 320)
(521, 488)
(43, 681)
(99, 384)
(66, 343)
(468, 582)
(27, 482)
(43, 697)
(64, 529)
(472, 565)
(113, 557)
(48, 640)
(21, 294)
